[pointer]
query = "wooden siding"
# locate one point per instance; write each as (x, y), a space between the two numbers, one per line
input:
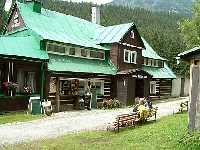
(163, 87)
(117, 51)
(136, 41)
(124, 66)
(11, 20)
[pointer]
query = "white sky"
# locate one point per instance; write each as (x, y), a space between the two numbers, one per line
(9, 2)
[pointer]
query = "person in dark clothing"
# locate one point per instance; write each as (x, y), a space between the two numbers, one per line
(148, 102)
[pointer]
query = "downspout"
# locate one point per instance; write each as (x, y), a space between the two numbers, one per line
(42, 80)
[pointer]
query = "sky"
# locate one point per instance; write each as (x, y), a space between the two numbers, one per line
(9, 2)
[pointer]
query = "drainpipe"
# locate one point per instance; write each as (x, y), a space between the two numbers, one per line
(42, 79)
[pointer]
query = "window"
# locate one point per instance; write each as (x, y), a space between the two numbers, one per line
(72, 51)
(156, 63)
(134, 57)
(145, 61)
(83, 53)
(149, 62)
(152, 87)
(59, 49)
(100, 55)
(93, 54)
(126, 56)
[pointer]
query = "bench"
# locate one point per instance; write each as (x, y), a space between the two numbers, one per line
(125, 120)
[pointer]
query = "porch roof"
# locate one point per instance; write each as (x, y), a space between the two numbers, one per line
(60, 64)
(160, 73)
(22, 48)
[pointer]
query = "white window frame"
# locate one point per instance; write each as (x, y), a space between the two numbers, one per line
(135, 58)
(127, 51)
(153, 91)
(77, 51)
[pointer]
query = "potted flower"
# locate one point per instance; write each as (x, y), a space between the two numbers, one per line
(9, 88)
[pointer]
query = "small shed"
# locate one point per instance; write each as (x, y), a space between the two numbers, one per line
(192, 56)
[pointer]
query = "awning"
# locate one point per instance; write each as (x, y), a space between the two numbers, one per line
(160, 73)
(61, 64)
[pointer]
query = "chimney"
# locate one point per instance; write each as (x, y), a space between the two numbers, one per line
(96, 14)
(37, 6)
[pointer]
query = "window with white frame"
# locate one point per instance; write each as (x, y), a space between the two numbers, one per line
(156, 63)
(149, 62)
(133, 57)
(72, 51)
(83, 53)
(145, 61)
(153, 87)
(126, 56)
(130, 56)
(75, 52)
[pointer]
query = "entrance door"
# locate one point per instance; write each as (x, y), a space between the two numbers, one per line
(139, 89)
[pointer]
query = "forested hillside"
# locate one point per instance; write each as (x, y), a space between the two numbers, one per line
(158, 28)
(175, 6)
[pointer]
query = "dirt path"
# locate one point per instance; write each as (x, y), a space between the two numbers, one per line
(68, 122)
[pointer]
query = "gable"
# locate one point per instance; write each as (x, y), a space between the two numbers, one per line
(133, 38)
(15, 21)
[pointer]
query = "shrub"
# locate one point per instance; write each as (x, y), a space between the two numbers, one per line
(109, 104)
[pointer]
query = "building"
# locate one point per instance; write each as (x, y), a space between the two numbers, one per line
(68, 55)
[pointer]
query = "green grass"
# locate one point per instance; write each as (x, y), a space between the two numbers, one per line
(165, 134)
(21, 116)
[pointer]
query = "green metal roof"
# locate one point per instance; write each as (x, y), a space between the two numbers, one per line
(149, 52)
(112, 34)
(22, 47)
(60, 63)
(160, 73)
(189, 52)
(59, 27)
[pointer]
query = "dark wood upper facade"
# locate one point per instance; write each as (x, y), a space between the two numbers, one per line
(131, 42)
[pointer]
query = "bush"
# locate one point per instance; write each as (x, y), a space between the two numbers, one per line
(109, 104)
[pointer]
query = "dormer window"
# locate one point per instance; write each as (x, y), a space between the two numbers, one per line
(83, 53)
(132, 34)
(72, 51)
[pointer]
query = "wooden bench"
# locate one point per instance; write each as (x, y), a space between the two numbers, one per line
(123, 120)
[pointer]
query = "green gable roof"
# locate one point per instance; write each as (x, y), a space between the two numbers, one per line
(160, 73)
(80, 65)
(59, 27)
(112, 34)
(149, 52)
(22, 47)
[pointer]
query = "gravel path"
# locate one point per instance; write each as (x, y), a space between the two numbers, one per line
(69, 122)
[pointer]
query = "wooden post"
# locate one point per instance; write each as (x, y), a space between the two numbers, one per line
(58, 93)
(194, 103)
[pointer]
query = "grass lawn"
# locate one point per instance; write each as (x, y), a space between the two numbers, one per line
(21, 116)
(166, 134)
